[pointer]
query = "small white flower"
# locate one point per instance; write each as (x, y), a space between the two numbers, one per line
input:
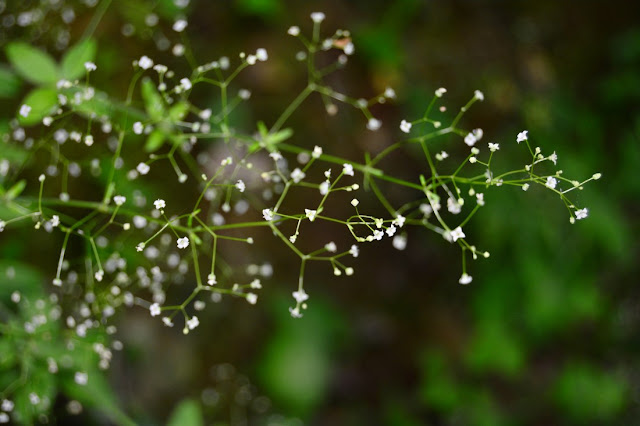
(493, 147)
(25, 110)
(261, 54)
(295, 312)
(41, 178)
(193, 322)
(4, 418)
(143, 168)
(465, 279)
(167, 321)
(354, 250)
(186, 83)
(389, 93)
(81, 378)
(347, 169)
(355, 202)
(399, 242)
(551, 182)
(378, 234)
(317, 152)
(55, 220)
(267, 214)
(47, 121)
(317, 17)
(470, 139)
(154, 309)
(405, 126)
(374, 124)
(324, 187)
(399, 220)
(145, 62)
(138, 128)
(252, 298)
(211, 279)
(159, 204)
(331, 247)
(582, 213)
(554, 158)
(478, 95)
(240, 186)
(244, 94)
(441, 91)
(297, 175)
(300, 296)
(7, 405)
(391, 230)
(183, 243)
(348, 49)
(88, 140)
(294, 31)
(140, 247)
(480, 199)
(311, 214)
(119, 200)
(525, 186)
(522, 136)
(179, 25)
(478, 133)
(453, 206)
(457, 234)
(2, 225)
(90, 66)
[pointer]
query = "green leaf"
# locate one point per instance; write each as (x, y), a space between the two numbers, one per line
(16, 190)
(42, 102)
(153, 102)
(73, 61)
(9, 83)
(32, 64)
(179, 111)
(187, 413)
(154, 141)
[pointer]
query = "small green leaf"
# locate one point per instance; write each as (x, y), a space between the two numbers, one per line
(179, 111)
(42, 101)
(280, 136)
(9, 82)
(31, 63)
(153, 102)
(73, 61)
(16, 190)
(154, 141)
(187, 413)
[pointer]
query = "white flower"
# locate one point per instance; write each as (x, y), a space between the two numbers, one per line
(47, 122)
(324, 188)
(143, 168)
(154, 309)
(179, 25)
(331, 247)
(554, 158)
(317, 152)
(81, 378)
(378, 234)
(140, 247)
(317, 17)
(389, 93)
(159, 204)
(55, 220)
(145, 62)
(354, 250)
(311, 214)
(7, 405)
(193, 322)
(525, 186)
(267, 214)
(300, 296)
(240, 185)
(183, 243)
(582, 213)
(119, 200)
(138, 128)
(480, 199)
(261, 54)
(167, 321)
(405, 126)
(441, 91)
(477, 133)
(2, 225)
(347, 169)
(295, 312)
(478, 95)
(294, 31)
(186, 83)
(25, 110)
(374, 124)
(493, 147)
(90, 66)
(252, 298)
(399, 220)
(470, 139)
(465, 279)
(457, 234)
(88, 140)
(355, 202)
(399, 242)
(391, 230)
(551, 182)
(522, 136)
(297, 175)
(453, 206)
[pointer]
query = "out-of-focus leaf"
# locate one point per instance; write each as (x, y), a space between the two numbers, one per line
(42, 102)
(9, 83)
(16, 189)
(73, 61)
(154, 141)
(16, 276)
(263, 8)
(179, 111)
(32, 64)
(439, 389)
(41, 388)
(495, 348)
(153, 102)
(187, 413)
